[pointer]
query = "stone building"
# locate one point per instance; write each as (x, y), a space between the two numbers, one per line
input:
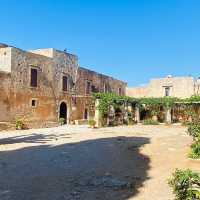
(40, 86)
(181, 87)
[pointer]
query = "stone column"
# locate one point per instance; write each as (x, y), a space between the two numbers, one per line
(111, 115)
(126, 112)
(129, 108)
(97, 114)
(168, 116)
(137, 114)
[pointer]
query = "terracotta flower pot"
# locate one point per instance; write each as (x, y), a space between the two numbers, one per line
(155, 118)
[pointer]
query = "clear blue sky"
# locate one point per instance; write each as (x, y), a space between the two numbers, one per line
(132, 40)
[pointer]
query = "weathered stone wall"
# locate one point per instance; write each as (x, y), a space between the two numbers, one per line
(22, 93)
(181, 87)
(51, 66)
(44, 52)
(98, 82)
(137, 92)
(48, 93)
(5, 81)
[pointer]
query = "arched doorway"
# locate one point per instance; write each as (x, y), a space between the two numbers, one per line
(63, 111)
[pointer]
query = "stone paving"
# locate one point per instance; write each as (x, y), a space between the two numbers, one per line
(76, 162)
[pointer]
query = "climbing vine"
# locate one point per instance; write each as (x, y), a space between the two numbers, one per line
(110, 99)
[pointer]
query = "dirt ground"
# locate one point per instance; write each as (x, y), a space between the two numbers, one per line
(78, 163)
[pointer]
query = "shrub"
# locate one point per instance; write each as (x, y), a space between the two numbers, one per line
(185, 185)
(150, 122)
(19, 124)
(190, 114)
(194, 129)
(92, 122)
(195, 150)
(131, 122)
(185, 123)
(62, 121)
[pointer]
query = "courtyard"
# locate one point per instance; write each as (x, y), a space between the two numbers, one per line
(77, 162)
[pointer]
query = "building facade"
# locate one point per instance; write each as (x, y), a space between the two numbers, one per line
(181, 87)
(41, 86)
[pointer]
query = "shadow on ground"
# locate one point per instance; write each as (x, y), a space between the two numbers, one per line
(33, 138)
(105, 169)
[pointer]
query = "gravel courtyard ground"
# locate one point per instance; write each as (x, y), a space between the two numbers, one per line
(75, 162)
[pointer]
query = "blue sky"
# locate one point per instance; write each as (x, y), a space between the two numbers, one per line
(132, 40)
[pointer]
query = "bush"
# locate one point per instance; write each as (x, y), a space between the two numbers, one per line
(19, 124)
(194, 129)
(131, 122)
(185, 185)
(150, 122)
(195, 150)
(185, 123)
(92, 123)
(62, 121)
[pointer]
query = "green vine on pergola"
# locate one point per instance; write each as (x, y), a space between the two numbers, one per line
(110, 99)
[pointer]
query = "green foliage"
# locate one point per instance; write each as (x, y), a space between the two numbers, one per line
(62, 121)
(190, 113)
(19, 124)
(166, 102)
(195, 150)
(131, 122)
(111, 99)
(185, 185)
(150, 122)
(92, 122)
(154, 112)
(192, 99)
(153, 105)
(194, 129)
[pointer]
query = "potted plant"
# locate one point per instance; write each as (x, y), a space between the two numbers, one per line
(62, 121)
(92, 123)
(19, 124)
(154, 114)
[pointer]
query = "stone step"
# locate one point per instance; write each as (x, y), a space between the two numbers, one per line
(6, 126)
